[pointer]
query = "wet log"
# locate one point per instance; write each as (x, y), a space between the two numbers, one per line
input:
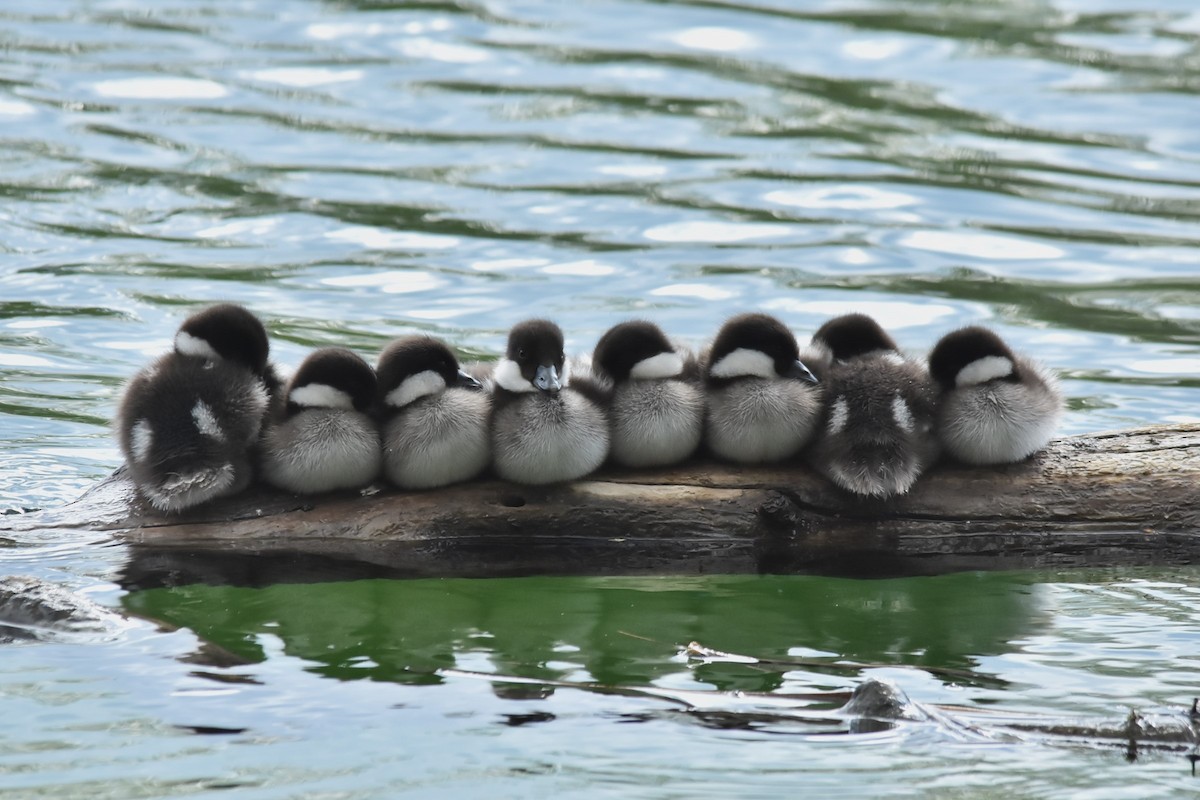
(1122, 498)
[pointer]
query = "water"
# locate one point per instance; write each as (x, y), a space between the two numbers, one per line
(358, 170)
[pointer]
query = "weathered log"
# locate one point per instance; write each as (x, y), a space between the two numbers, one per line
(1122, 498)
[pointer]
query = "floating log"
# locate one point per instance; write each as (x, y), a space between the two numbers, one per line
(1109, 499)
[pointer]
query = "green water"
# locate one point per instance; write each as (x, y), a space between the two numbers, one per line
(357, 170)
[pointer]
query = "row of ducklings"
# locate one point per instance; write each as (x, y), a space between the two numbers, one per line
(200, 421)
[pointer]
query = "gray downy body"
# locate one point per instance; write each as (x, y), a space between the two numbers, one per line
(188, 423)
(761, 420)
(435, 417)
(763, 401)
(996, 407)
(544, 430)
(656, 422)
(877, 435)
(653, 394)
(320, 450)
(186, 427)
(546, 438)
(438, 440)
(323, 439)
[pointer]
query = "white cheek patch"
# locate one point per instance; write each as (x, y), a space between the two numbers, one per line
(142, 439)
(507, 376)
(744, 362)
(188, 345)
(415, 386)
(320, 395)
(839, 415)
(982, 370)
(892, 357)
(663, 365)
(206, 421)
(902, 414)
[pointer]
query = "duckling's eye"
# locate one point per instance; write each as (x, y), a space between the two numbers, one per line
(521, 353)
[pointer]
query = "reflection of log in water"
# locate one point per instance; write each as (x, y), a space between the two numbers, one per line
(620, 631)
(873, 706)
(1100, 500)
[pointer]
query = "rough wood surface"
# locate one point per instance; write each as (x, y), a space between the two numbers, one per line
(1121, 498)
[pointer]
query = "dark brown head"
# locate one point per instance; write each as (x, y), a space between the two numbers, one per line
(853, 335)
(227, 332)
(755, 345)
(413, 367)
(534, 359)
(636, 350)
(332, 377)
(970, 356)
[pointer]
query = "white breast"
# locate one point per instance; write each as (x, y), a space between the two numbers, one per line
(760, 421)
(549, 438)
(439, 440)
(319, 450)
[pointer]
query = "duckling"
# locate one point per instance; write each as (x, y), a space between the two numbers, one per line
(542, 430)
(763, 405)
(877, 437)
(996, 407)
(656, 404)
(324, 439)
(435, 416)
(187, 423)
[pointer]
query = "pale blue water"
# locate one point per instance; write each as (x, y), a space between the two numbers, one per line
(358, 170)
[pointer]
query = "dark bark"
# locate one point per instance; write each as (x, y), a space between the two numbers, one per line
(1122, 498)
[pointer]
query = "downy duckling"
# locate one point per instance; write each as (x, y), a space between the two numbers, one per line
(435, 416)
(877, 436)
(187, 423)
(996, 407)
(763, 404)
(656, 404)
(542, 430)
(324, 439)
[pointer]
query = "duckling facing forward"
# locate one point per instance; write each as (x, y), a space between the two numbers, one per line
(435, 416)
(763, 404)
(187, 423)
(542, 431)
(324, 439)
(996, 407)
(657, 403)
(877, 437)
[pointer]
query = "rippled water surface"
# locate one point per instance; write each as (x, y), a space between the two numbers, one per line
(360, 169)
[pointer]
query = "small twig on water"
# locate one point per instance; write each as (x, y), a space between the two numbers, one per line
(701, 651)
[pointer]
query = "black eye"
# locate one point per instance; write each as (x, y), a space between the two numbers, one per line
(521, 353)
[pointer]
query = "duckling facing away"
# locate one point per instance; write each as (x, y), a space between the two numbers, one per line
(657, 403)
(996, 407)
(877, 437)
(543, 431)
(324, 438)
(187, 423)
(435, 416)
(763, 404)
